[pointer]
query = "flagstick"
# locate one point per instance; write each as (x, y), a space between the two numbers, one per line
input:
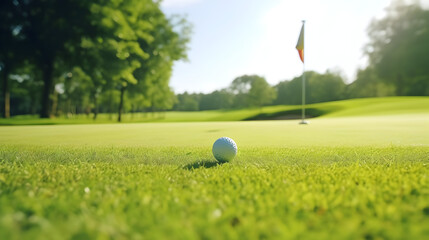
(303, 87)
(303, 98)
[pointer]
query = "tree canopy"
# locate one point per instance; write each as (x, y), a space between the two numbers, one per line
(325, 87)
(251, 91)
(111, 44)
(398, 49)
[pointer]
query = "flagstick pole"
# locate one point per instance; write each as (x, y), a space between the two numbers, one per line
(303, 87)
(303, 96)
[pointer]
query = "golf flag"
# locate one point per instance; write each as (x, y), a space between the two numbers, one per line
(300, 44)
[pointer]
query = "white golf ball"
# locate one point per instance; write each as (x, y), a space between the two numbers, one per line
(224, 149)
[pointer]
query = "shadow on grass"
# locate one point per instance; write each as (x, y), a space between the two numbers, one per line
(202, 164)
(289, 114)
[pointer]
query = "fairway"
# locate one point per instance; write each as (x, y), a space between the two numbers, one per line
(340, 177)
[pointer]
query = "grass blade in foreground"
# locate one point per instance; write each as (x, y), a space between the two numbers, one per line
(157, 193)
(345, 178)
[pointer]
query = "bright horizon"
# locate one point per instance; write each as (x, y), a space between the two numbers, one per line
(234, 38)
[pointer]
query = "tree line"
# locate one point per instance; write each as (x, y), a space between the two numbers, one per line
(75, 56)
(253, 91)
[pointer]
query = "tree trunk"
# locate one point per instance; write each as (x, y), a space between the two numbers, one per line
(121, 104)
(6, 93)
(48, 88)
(111, 111)
(54, 103)
(95, 107)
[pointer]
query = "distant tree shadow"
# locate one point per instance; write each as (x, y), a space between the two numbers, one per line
(202, 164)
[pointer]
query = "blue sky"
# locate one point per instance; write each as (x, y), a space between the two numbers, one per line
(236, 37)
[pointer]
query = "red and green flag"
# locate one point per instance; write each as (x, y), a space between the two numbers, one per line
(300, 44)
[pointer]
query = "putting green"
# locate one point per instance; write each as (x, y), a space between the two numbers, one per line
(352, 174)
(395, 130)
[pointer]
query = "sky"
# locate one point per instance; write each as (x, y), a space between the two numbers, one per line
(232, 38)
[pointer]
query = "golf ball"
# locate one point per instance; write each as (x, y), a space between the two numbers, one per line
(224, 149)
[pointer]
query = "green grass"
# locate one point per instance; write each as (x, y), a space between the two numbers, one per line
(158, 193)
(380, 131)
(354, 107)
(198, 116)
(354, 175)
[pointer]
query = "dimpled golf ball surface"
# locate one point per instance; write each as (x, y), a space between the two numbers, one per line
(224, 149)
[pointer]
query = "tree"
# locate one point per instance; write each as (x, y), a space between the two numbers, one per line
(25, 90)
(139, 45)
(219, 99)
(368, 84)
(170, 39)
(251, 90)
(282, 95)
(325, 87)
(187, 102)
(398, 49)
(289, 92)
(260, 93)
(75, 94)
(116, 52)
(53, 30)
(11, 49)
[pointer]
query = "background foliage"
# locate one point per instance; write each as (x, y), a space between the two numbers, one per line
(117, 56)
